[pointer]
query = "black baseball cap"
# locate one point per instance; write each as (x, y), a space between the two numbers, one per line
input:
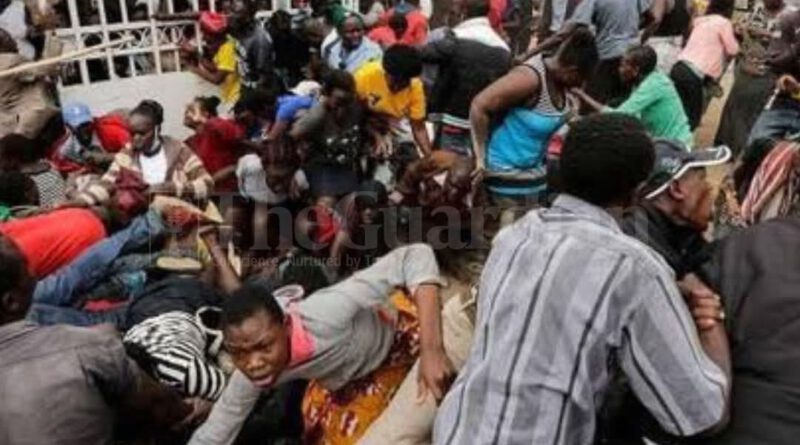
(673, 160)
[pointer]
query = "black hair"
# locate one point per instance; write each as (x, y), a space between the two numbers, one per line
(370, 193)
(13, 187)
(348, 16)
(403, 62)
(248, 300)
(249, 6)
(13, 267)
(7, 43)
(280, 22)
(19, 149)
(476, 8)
(208, 104)
(605, 157)
(337, 80)
(255, 101)
(150, 109)
(645, 58)
(398, 21)
(308, 271)
(580, 51)
(721, 7)
(52, 131)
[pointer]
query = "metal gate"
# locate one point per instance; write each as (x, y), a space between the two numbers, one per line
(149, 66)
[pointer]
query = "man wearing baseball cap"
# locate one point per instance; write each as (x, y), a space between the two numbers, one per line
(676, 205)
(88, 141)
(673, 212)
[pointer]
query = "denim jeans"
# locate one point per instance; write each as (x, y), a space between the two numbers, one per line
(55, 295)
(782, 120)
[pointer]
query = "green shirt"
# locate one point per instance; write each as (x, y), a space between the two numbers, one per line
(656, 102)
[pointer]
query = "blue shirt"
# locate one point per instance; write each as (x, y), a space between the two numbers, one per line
(290, 104)
(338, 58)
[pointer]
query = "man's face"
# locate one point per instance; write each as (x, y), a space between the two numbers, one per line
(259, 347)
(352, 33)
(397, 84)
(84, 133)
(240, 17)
(457, 186)
(15, 302)
(143, 133)
(697, 199)
(279, 178)
(399, 31)
(339, 99)
(628, 71)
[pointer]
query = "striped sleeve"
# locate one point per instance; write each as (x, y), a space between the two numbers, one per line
(199, 182)
(99, 191)
(665, 363)
(174, 344)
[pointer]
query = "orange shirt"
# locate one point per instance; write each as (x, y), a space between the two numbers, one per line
(53, 240)
(417, 32)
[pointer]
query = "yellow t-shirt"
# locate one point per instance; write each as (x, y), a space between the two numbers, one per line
(225, 60)
(373, 89)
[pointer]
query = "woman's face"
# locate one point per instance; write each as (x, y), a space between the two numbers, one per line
(193, 116)
(352, 33)
(143, 132)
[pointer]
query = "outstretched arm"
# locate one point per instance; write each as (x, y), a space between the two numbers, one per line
(413, 268)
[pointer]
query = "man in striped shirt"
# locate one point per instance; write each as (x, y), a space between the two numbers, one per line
(567, 301)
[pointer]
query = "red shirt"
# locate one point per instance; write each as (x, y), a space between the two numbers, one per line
(497, 8)
(417, 32)
(53, 240)
(113, 132)
(383, 36)
(216, 144)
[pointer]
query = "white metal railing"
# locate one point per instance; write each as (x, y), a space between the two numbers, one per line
(154, 49)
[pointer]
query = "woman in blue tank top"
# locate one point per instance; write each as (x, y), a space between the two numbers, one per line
(528, 105)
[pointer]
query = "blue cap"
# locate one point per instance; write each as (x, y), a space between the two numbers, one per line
(76, 114)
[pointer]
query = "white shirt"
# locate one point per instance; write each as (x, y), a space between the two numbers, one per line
(154, 168)
(253, 181)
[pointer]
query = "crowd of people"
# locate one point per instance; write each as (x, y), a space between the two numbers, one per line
(381, 233)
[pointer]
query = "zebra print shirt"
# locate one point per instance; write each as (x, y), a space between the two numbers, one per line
(175, 342)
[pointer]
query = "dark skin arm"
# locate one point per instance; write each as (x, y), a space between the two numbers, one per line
(226, 277)
(706, 309)
(338, 247)
(224, 174)
(511, 90)
(278, 130)
(654, 17)
(421, 136)
(551, 42)
(589, 100)
(214, 76)
(436, 373)
(154, 404)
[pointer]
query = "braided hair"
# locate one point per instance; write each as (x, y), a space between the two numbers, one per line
(151, 110)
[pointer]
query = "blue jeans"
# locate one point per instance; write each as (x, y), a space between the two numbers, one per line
(54, 295)
(782, 120)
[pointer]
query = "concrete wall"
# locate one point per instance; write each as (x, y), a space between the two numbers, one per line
(172, 90)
